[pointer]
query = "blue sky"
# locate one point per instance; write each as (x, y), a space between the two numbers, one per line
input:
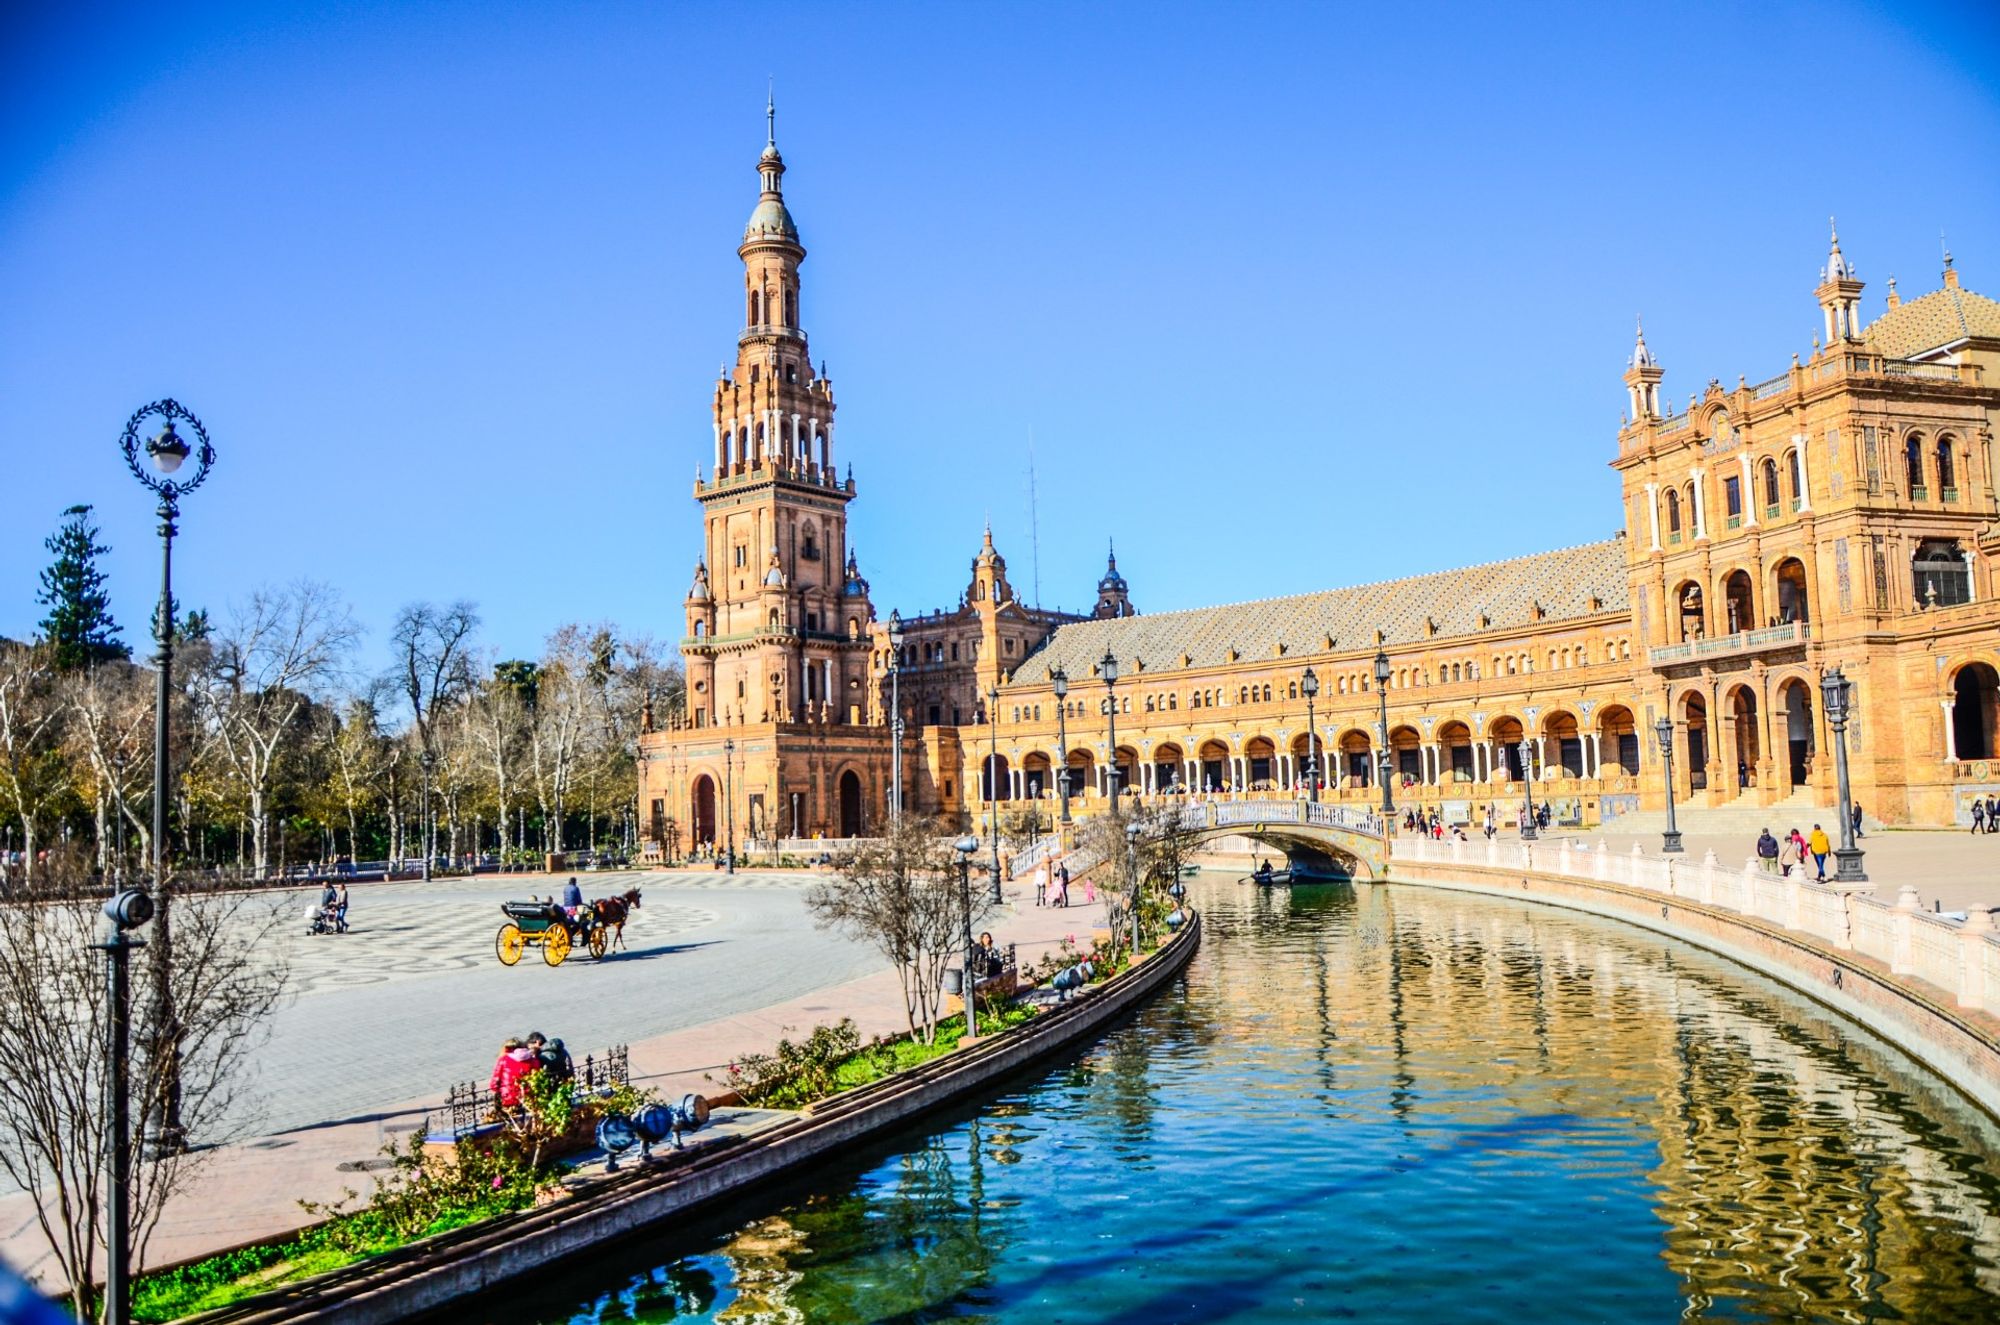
(1284, 297)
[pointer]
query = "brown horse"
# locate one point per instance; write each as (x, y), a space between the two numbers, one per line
(611, 913)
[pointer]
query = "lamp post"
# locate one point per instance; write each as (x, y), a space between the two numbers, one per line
(1382, 693)
(126, 912)
(896, 720)
(1059, 680)
(1528, 833)
(1108, 667)
(729, 799)
(1309, 683)
(1664, 729)
(993, 781)
(1132, 879)
(1835, 691)
(429, 762)
(167, 451)
(965, 846)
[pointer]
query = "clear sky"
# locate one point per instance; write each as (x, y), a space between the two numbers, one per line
(1283, 298)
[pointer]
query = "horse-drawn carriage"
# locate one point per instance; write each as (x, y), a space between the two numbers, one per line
(546, 925)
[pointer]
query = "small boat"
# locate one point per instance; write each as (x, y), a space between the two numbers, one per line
(1295, 874)
(1189, 871)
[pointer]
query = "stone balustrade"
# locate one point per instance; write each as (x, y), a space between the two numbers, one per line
(1957, 955)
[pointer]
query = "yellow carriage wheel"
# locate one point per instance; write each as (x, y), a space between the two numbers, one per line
(597, 933)
(507, 944)
(555, 945)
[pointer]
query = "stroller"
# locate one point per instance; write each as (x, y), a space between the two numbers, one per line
(326, 918)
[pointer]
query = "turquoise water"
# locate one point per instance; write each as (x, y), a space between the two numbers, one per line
(1386, 1104)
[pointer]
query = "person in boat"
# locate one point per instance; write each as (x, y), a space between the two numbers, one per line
(1263, 872)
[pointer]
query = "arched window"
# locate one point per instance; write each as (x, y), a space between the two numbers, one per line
(750, 313)
(1943, 577)
(1947, 473)
(1792, 475)
(1913, 466)
(791, 308)
(1771, 485)
(1674, 513)
(1174, 702)
(1267, 694)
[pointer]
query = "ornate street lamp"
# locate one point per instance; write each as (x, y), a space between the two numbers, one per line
(1664, 729)
(993, 781)
(1107, 667)
(126, 912)
(1836, 690)
(965, 847)
(167, 452)
(896, 721)
(1528, 833)
(1382, 693)
(1059, 680)
(729, 798)
(1309, 683)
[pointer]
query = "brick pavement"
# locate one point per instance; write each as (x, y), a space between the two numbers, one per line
(250, 1189)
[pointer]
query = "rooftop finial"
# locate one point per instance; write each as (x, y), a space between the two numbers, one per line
(771, 114)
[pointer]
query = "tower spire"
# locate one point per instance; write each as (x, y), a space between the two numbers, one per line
(771, 116)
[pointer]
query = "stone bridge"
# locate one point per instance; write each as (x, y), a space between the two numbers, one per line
(1331, 839)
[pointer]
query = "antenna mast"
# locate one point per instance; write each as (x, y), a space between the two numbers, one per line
(1034, 531)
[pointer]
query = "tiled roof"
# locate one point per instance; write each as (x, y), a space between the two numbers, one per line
(1563, 583)
(1935, 319)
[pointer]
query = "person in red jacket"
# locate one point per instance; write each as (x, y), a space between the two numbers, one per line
(516, 1061)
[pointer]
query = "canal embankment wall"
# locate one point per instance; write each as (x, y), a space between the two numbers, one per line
(431, 1278)
(1927, 983)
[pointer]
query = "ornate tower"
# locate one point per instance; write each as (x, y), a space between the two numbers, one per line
(1839, 295)
(1113, 599)
(776, 631)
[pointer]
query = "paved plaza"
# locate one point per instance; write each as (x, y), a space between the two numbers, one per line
(413, 998)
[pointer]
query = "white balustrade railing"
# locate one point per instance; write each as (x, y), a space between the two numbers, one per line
(1958, 954)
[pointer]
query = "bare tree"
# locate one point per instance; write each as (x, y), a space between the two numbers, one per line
(54, 1139)
(499, 721)
(355, 753)
(564, 716)
(264, 663)
(902, 893)
(110, 735)
(433, 648)
(32, 773)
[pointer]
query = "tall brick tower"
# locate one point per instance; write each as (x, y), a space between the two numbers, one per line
(777, 631)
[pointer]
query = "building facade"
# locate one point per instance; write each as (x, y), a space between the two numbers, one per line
(1841, 513)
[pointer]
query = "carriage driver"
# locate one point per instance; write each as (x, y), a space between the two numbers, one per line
(572, 898)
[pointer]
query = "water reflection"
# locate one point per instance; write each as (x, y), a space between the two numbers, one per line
(1389, 1104)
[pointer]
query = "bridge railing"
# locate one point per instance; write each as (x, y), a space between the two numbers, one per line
(1957, 952)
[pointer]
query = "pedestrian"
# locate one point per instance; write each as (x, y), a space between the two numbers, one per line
(1857, 820)
(1792, 853)
(1042, 884)
(1978, 815)
(551, 1057)
(1062, 884)
(1767, 852)
(1489, 823)
(1992, 814)
(516, 1061)
(1819, 846)
(340, 909)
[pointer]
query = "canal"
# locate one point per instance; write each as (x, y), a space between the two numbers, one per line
(1386, 1104)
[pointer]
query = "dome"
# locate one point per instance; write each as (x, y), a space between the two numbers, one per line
(770, 219)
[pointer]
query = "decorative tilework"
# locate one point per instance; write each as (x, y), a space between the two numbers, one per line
(1841, 576)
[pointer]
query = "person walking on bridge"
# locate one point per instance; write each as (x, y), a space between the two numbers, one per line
(1767, 852)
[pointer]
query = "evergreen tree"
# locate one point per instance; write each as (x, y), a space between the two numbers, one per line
(78, 627)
